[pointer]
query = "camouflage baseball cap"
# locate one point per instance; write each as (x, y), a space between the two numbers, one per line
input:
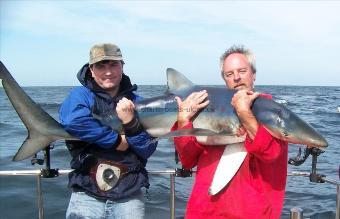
(105, 51)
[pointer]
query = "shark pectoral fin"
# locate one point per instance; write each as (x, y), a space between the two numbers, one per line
(220, 139)
(186, 132)
(231, 160)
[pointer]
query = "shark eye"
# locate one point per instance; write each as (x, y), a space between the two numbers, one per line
(280, 122)
(285, 134)
(281, 113)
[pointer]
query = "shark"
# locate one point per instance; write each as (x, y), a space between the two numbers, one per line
(217, 124)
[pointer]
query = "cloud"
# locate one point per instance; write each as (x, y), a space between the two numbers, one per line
(154, 23)
(188, 32)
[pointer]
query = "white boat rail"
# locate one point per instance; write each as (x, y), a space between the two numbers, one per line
(39, 173)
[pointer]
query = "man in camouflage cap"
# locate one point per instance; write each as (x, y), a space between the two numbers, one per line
(98, 189)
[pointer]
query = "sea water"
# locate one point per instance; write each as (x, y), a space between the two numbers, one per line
(18, 195)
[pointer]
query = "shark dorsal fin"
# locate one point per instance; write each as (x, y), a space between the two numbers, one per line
(176, 80)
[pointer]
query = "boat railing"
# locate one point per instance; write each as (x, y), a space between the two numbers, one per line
(295, 213)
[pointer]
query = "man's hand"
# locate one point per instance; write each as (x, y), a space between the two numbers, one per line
(241, 131)
(188, 108)
(125, 110)
(242, 101)
(123, 146)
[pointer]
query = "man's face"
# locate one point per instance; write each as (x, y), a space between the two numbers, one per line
(237, 72)
(107, 74)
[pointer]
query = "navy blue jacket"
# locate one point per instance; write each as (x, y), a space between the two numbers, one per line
(100, 142)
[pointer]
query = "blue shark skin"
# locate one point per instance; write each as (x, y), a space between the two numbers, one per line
(158, 114)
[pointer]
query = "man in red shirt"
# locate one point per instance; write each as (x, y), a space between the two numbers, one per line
(257, 189)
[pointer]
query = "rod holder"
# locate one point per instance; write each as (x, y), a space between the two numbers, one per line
(182, 172)
(314, 177)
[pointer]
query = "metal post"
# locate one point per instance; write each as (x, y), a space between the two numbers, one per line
(172, 196)
(337, 201)
(337, 211)
(47, 157)
(314, 161)
(40, 198)
(296, 213)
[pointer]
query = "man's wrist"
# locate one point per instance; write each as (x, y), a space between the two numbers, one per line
(132, 128)
(128, 120)
(250, 123)
(118, 141)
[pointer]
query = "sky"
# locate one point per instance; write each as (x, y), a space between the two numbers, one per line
(45, 43)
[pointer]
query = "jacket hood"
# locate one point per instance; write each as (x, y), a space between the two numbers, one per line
(85, 78)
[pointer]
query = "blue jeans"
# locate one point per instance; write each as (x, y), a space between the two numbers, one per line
(82, 206)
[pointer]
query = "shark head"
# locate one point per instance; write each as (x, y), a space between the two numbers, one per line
(286, 125)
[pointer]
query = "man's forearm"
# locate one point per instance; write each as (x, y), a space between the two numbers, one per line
(249, 122)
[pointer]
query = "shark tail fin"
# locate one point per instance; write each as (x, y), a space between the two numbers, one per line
(42, 128)
(28, 147)
(39, 138)
(3, 71)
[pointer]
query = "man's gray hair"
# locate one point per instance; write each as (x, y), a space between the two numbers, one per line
(242, 50)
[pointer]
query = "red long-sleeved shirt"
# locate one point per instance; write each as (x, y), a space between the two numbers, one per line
(257, 189)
